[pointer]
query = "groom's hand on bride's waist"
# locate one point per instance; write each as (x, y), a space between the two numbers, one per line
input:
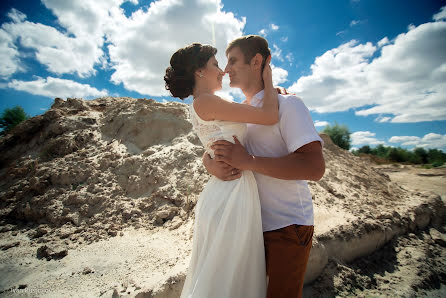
(232, 154)
(220, 169)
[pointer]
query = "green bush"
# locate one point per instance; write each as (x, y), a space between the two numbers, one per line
(420, 155)
(339, 134)
(398, 155)
(10, 118)
(438, 164)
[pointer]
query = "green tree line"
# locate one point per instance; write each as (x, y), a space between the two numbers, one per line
(340, 135)
(434, 157)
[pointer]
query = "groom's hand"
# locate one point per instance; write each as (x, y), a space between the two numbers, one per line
(220, 169)
(232, 154)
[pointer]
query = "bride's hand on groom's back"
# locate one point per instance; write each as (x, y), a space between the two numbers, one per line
(283, 91)
(219, 169)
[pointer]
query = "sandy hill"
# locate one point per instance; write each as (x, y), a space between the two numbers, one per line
(87, 173)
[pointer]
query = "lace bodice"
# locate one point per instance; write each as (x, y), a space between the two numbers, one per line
(214, 130)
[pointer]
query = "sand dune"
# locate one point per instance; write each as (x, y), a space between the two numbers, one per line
(97, 199)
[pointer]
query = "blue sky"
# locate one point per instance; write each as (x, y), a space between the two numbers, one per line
(378, 67)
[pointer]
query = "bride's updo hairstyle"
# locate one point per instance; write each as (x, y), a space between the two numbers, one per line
(179, 77)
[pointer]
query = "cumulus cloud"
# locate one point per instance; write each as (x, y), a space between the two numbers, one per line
(274, 27)
(441, 15)
(337, 79)
(430, 140)
(365, 138)
(318, 123)
(139, 47)
(58, 51)
(9, 55)
(16, 16)
(407, 80)
(383, 42)
(280, 75)
(55, 87)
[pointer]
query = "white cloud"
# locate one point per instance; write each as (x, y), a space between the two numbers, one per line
(16, 16)
(55, 87)
(9, 56)
(357, 22)
(264, 32)
(318, 123)
(365, 138)
(383, 119)
(139, 46)
(284, 39)
(58, 51)
(430, 140)
(405, 140)
(383, 42)
(441, 15)
(290, 58)
(354, 22)
(280, 75)
(338, 79)
(277, 53)
(407, 80)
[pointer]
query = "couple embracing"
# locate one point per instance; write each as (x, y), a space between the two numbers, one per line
(254, 219)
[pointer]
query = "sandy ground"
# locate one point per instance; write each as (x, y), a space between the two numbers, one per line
(412, 265)
(134, 259)
(97, 198)
(416, 178)
(145, 261)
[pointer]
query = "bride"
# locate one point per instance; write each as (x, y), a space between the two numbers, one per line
(228, 257)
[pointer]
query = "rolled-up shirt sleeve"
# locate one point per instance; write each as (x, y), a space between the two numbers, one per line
(296, 126)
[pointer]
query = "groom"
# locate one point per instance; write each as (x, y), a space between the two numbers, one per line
(282, 157)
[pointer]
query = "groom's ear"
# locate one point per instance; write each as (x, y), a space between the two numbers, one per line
(257, 61)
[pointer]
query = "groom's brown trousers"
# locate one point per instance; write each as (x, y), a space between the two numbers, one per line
(287, 251)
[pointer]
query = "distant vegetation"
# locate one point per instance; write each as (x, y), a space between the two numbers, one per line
(339, 134)
(429, 157)
(10, 118)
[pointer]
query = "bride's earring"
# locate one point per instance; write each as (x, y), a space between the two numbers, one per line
(201, 75)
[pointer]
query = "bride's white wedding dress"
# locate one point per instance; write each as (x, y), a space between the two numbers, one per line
(228, 257)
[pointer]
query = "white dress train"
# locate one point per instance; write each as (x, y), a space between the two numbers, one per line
(228, 259)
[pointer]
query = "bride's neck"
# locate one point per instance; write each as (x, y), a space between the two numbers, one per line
(198, 90)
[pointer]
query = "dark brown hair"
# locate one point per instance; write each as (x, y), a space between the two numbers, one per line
(179, 77)
(250, 45)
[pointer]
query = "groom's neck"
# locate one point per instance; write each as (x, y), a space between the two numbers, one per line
(252, 90)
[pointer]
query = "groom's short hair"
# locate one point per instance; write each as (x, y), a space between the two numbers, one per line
(250, 45)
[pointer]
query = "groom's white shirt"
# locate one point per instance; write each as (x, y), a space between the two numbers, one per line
(283, 202)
